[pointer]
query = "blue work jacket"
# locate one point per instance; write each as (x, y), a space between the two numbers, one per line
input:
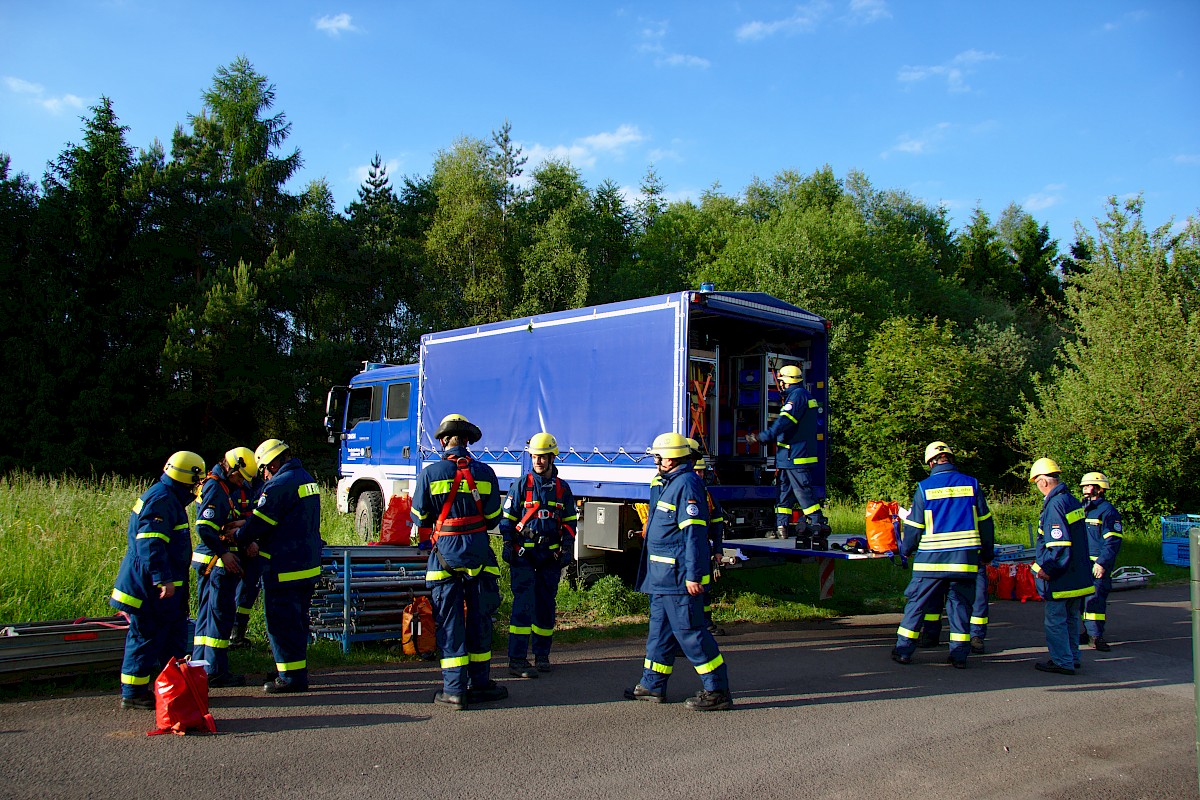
(158, 545)
(676, 549)
(221, 501)
(463, 542)
(950, 530)
(543, 507)
(286, 524)
(1062, 547)
(1104, 532)
(794, 431)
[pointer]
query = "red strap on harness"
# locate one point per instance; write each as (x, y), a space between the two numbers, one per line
(469, 524)
(532, 506)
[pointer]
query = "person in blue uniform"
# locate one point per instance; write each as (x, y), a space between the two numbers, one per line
(716, 536)
(220, 511)
(675, 561)
(1103, 523)
(249, 583)
(151, 585)
(1062, 566)
(947, 535)
(285, 531)
(537, 524)
(458, 498)
(794, 432)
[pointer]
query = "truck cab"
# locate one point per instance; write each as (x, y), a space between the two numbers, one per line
(373, 423)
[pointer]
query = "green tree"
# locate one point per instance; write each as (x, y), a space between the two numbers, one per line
(1126, 399)
(917, 383)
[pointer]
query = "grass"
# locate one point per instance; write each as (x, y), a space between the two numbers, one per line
(62, 539)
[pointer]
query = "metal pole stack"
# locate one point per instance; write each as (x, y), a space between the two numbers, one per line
(363, 590)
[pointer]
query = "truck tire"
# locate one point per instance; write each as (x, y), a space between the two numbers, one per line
(368, 515)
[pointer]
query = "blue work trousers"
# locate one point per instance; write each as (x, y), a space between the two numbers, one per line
(1062, 631)
(924, 593)
(286, 606)
(216, 602)
(680, 618)
(535, 592)
(979, 610)
(156, 633)
(1095, 607)
(464, 634)
(796, 493)
(248, 586)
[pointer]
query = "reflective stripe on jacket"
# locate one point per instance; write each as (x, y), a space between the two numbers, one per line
(1062, 548)
(950, 529)
(676, 549)
(1105, 536)
(286, 523)
(158, 545)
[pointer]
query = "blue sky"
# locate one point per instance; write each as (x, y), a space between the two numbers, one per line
(1052, 105)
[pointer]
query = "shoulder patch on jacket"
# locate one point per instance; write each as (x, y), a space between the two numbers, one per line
(262, 499)
(1117, 525)
(1056, 532)
(693, 510)
(786, 407)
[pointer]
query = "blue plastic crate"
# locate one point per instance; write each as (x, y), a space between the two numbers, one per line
(1175, 530)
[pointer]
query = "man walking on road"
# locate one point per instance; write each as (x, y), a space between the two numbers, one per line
(1063, 565)
(948, 534)
(674, 567)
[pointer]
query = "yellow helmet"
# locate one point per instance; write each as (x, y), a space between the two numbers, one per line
(457, 425)
(700, 465)
(542, 443)
(1097, 478)
(671, 445)
(935, 449)
(268, 451)
(185, 467)
(790, 374)
(241, 459)
(1043, 466)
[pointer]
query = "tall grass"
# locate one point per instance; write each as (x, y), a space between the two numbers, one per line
(62, 540)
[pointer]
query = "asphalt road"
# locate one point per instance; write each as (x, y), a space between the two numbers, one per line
(821, 712)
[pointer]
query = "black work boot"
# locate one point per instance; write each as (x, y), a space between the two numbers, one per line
(926, 640)
(237, 637)
(543, 664)
(718, 700)
(639, 692)
(1101, 645)
(489, 693)
(521, 669)
(977, 645)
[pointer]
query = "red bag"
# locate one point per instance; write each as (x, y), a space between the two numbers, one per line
(419, 637)
(993, 578)
(881, 527)
(397, 521)
(1026, 585)
(1006, 581)
(181, 695)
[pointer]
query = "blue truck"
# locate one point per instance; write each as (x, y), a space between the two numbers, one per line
(605, 380)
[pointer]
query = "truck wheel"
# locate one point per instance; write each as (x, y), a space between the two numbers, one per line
(368, 515)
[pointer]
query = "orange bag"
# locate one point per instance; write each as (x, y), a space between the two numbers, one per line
(882, 517)
(181, 695)
(397, 521)
(419, 637)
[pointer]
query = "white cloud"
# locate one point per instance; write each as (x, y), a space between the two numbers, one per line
(37, 94)
(1187, 159)
(23, 87)
(584, 152)
(803, 20)
(868, 11)
(921, 144)
(1050, 195)
(336, 25)
(359, 174)
(652, 35)
(954, 71)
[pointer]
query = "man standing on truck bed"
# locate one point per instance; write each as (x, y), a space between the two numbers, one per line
(538, 526)
(674, 564)
(285, 530)
(458, 497)
(794, 432)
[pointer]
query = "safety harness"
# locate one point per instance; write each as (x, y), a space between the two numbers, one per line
(534, 510)
(447, 525)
